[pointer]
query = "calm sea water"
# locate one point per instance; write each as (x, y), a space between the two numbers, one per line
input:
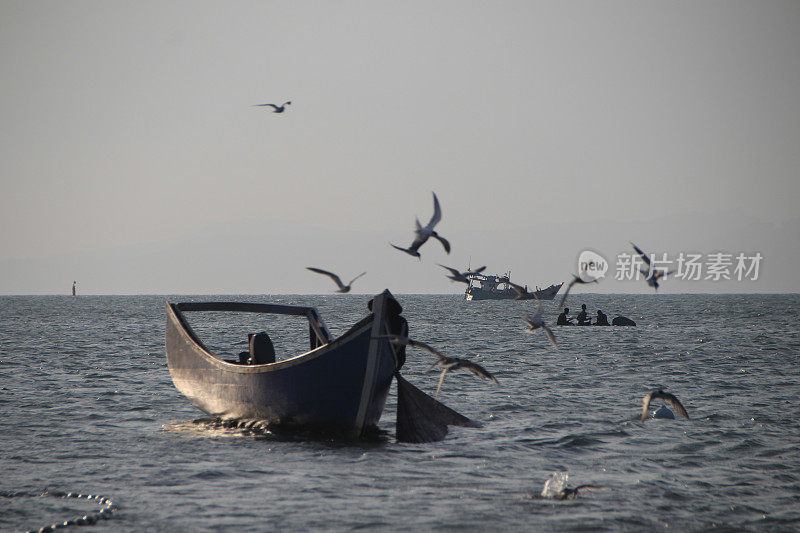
(87, 405)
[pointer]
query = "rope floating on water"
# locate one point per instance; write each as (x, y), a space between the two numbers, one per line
(107, 508)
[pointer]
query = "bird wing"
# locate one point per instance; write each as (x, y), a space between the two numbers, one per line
(264, 105)
(550, 335)
(531, 322)
(640, 252)
(646, 403)
(445, 243)
(355, 278)
(426, 347)
(539, 310)
(673, 401)
(411, 250)
(331, 275)
(477, 270)
(519, 288)
(437, 213)
(477, 369)
(399, 248)
(453, 271)
(564, 298)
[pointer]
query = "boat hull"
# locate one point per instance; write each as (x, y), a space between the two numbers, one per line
(476, 293)
(341, 386)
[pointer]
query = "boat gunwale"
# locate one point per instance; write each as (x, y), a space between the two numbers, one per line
(189, 337)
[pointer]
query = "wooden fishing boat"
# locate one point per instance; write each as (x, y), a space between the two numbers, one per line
(493, 287)
(338, 385)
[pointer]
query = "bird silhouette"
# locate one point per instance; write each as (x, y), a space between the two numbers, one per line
(449, 363)
(660, 394)
(522, 292)
(537, 322)
(423, 233)
(575, 280)
(276, 108)
(652, 275)
(463, 277)
(335, 278)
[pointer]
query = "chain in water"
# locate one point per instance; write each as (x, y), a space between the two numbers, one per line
(107, 508)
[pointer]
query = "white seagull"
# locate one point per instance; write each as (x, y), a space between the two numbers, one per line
(335, 278)
(656, 394)
(537, 322)
(651, 275)
(449, 363)
(423, 233)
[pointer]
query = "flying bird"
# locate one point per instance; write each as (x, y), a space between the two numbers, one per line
(522, 292)
(575, 280)
(651, 275)
(449, 363)
(463, 277)
(276, 108)
(336, 279)
(423, 233)
(537, 322)
(660, 394)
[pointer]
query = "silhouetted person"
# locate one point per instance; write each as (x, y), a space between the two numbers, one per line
(602, 319)
(398, 325)
(73, 288)
(261, 350)
(563, 318)
(583, 317)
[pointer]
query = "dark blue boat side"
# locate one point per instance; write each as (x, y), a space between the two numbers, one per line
(339, 385)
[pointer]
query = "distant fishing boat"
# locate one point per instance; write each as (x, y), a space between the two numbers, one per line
(493, 287)
(339, 385)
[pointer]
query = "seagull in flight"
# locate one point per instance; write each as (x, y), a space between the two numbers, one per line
(651, 275)
(423, 233)
(522, 292)
(449, 363)
(660, 394)
(537, 322)
(276, 108)
(463, 277)
(575, 279)
(335, 278)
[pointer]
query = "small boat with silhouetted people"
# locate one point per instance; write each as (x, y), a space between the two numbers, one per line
(338, 385)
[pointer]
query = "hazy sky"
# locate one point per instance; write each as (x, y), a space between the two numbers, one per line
(132, 158)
